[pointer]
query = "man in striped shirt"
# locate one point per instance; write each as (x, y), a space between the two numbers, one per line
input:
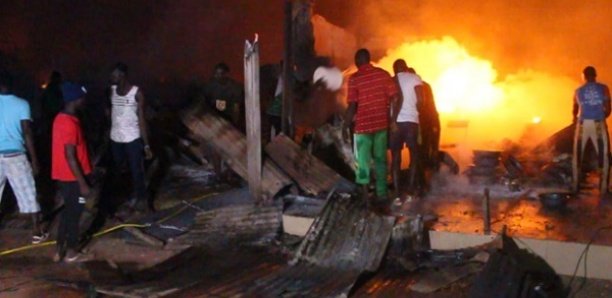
(371, 93)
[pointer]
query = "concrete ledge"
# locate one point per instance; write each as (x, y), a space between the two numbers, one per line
(296, 225)
(562, 256)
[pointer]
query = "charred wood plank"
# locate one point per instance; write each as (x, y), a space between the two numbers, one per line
(217, 132)
(312, 175)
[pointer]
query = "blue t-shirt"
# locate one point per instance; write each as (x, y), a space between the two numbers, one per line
(591, 97)
(12, 111)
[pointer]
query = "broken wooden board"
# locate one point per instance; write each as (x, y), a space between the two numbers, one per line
(312, 175)
(232, 145)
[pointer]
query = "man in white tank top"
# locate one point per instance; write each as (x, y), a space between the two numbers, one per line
(129, 137)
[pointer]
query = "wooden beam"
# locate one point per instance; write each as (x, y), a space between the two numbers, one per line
(311, 174)
(211, 130)
(253, 116)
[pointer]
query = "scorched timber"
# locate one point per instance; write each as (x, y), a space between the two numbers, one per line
(312, 175)
(232, 145)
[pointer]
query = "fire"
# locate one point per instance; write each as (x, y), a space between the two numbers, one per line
(468, 89)
(464, 84)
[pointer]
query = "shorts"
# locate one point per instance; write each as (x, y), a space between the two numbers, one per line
(407, 133)
(18, 171)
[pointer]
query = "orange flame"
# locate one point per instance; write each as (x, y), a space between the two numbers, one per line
(468, 89)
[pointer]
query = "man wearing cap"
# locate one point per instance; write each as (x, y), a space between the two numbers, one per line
(16, 139)
(69, 167)
(591, 108)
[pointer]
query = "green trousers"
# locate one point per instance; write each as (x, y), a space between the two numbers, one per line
(368, 146)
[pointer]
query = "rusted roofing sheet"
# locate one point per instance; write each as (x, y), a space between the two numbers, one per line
(234, 224)
(346, 235)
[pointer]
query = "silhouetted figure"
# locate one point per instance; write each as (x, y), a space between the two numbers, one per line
(51, 99)
(591, 108)
(429, 147)
(226, 96)
(274, 111)
(51, 102)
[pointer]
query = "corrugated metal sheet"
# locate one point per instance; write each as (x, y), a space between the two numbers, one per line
(234, 224)
(232, 145)
(345, 240)
(438, 284)
(346, 236)
(293, 281)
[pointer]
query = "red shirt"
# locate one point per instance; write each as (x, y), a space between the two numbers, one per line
(371, 87)
(67, 131)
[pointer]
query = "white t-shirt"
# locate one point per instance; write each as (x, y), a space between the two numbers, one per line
(407, 82)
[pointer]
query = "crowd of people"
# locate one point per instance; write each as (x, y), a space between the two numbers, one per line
(384, 113)
(389, 112)
(68, 160)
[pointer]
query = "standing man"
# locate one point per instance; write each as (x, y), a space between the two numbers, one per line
(129, 136)
(226, 96)
(275, 109)
(16, 139)
(429, 125)
(70, 166)
(371, 91)
(429, 120)
(591, 108)
(51, 102)
(407, 123)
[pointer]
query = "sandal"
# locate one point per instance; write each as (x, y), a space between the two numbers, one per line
(75, 257)
(39, 238)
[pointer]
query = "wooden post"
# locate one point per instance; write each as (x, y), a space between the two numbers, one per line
(253, 116)
(287, 111)
(486, 208)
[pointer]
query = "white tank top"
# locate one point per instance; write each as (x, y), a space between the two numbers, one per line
(124, 116)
